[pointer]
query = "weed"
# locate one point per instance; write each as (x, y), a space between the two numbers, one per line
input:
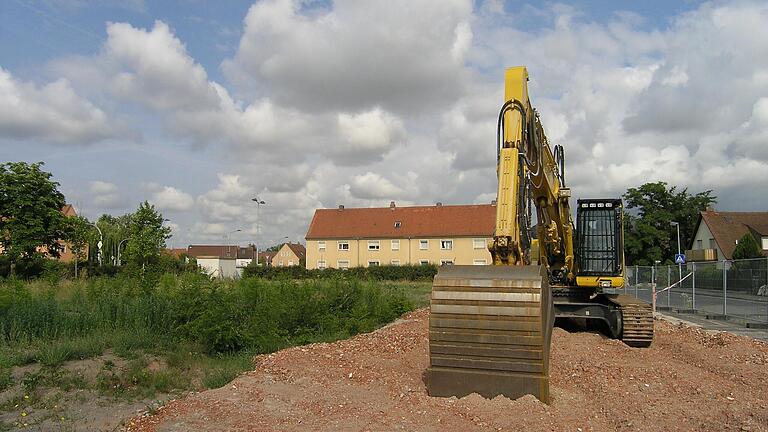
(6, 380)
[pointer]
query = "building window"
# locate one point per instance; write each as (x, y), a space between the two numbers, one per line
(423, 262)
(478, 243)
(290, 263)
(395, 244)
(446, 244)
(398, 224)
(343, 245)
(395, 263)
(479, 262)
(765, 243)
(712, 243)
(446, 262)
(342, 264)
(373, 263)
(280, 263)
(373, 245)
(321, 265)
(321, 245)
(423, 244)
(699, 244)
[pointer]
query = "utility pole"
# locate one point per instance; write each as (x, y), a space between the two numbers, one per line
(259, 202)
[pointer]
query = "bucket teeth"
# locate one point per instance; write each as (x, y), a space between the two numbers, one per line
(489, 332)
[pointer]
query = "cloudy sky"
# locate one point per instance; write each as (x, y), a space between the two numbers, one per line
(198, 107)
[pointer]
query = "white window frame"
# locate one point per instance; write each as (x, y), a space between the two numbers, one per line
(342, 264)
(342, 245)
(395, 245)
(290, 263)
(423, 244)
(321, 246)
(395, 263)
(478, 243)
(280, 263)
(374, 245)
(446, 244)
(423, 262)
(374, 263)
(765, 243)
(479, 262)
(446, 262)
(322, 265)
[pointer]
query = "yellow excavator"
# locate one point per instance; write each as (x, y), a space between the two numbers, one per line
(490, 326)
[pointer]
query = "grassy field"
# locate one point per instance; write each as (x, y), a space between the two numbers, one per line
(118, 342)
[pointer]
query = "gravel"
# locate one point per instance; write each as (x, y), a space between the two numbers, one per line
(690, 379)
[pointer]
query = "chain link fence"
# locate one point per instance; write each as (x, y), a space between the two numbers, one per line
(736, 289)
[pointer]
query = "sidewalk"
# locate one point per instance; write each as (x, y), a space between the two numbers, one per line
(700, 321)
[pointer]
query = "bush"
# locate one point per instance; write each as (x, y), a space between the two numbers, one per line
(378, 273)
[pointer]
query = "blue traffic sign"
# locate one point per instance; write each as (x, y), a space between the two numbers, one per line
(679, 258)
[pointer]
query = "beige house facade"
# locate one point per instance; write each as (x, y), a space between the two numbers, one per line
(289, 254)
(439, 235)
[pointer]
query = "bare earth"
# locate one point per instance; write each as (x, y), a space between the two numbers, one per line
(690, 379)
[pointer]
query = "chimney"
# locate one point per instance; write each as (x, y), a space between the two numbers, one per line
(493, 202)
(392, 205)
(439, 204)
(341, 206)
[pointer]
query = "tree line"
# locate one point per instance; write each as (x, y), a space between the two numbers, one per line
(32, 227)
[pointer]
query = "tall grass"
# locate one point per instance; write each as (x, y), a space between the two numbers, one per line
(80, 319)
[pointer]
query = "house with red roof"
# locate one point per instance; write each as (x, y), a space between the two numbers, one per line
(365, 237)
(718, 233)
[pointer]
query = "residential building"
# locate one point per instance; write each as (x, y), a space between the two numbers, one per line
(441, 235)
(289, 254)
(215, 258)
(265, 258)
(718, 233)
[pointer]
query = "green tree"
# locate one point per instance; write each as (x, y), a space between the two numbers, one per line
(648, 233)
(146, 237)
(747, 248)
(115, 230)
(79, 232)
(30, 212)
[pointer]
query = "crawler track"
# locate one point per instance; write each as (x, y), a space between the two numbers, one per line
(637, 321)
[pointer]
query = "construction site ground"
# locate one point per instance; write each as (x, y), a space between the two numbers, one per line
(690, 379)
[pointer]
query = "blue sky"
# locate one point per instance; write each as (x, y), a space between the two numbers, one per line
(198, 106)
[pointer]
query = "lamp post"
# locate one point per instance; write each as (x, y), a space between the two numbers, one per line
(259, 202)
(679, 265)
(101, 240)
(119, 262)
(228, 237)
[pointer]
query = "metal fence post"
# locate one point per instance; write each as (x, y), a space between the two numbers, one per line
(637, 279)
(693, 287)
(669, 282)
(725, 288)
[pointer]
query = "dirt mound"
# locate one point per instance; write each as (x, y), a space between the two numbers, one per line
(689, 379)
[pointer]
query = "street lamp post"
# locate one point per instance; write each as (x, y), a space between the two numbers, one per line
(228, 237)
(101, 241)
(679, 265)
(259, 202)
(119, 261)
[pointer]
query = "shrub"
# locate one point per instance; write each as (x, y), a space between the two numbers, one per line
(378, 273)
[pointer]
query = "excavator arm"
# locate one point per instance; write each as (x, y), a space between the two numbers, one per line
(529, 174)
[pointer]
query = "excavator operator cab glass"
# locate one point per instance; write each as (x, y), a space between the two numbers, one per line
(599, 238)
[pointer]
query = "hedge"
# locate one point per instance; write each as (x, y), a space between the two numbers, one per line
(392, 273)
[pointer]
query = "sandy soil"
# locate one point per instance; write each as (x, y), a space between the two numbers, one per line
(690, 379)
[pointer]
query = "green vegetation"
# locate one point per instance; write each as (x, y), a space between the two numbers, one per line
(377, 273)
(30, 216)
(648, 233)
(747, 248)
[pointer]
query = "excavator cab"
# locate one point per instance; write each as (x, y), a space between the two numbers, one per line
(599, 244)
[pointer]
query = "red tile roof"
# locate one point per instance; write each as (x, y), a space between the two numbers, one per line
(728, 227)
(298, 249)
(426, 221)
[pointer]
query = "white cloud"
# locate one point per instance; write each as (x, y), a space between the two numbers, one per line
(105, 195)
(52, 112)
(170, 198)
(371, 185)
(367, 136)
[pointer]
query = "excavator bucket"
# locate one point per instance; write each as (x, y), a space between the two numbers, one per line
(489, 332)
